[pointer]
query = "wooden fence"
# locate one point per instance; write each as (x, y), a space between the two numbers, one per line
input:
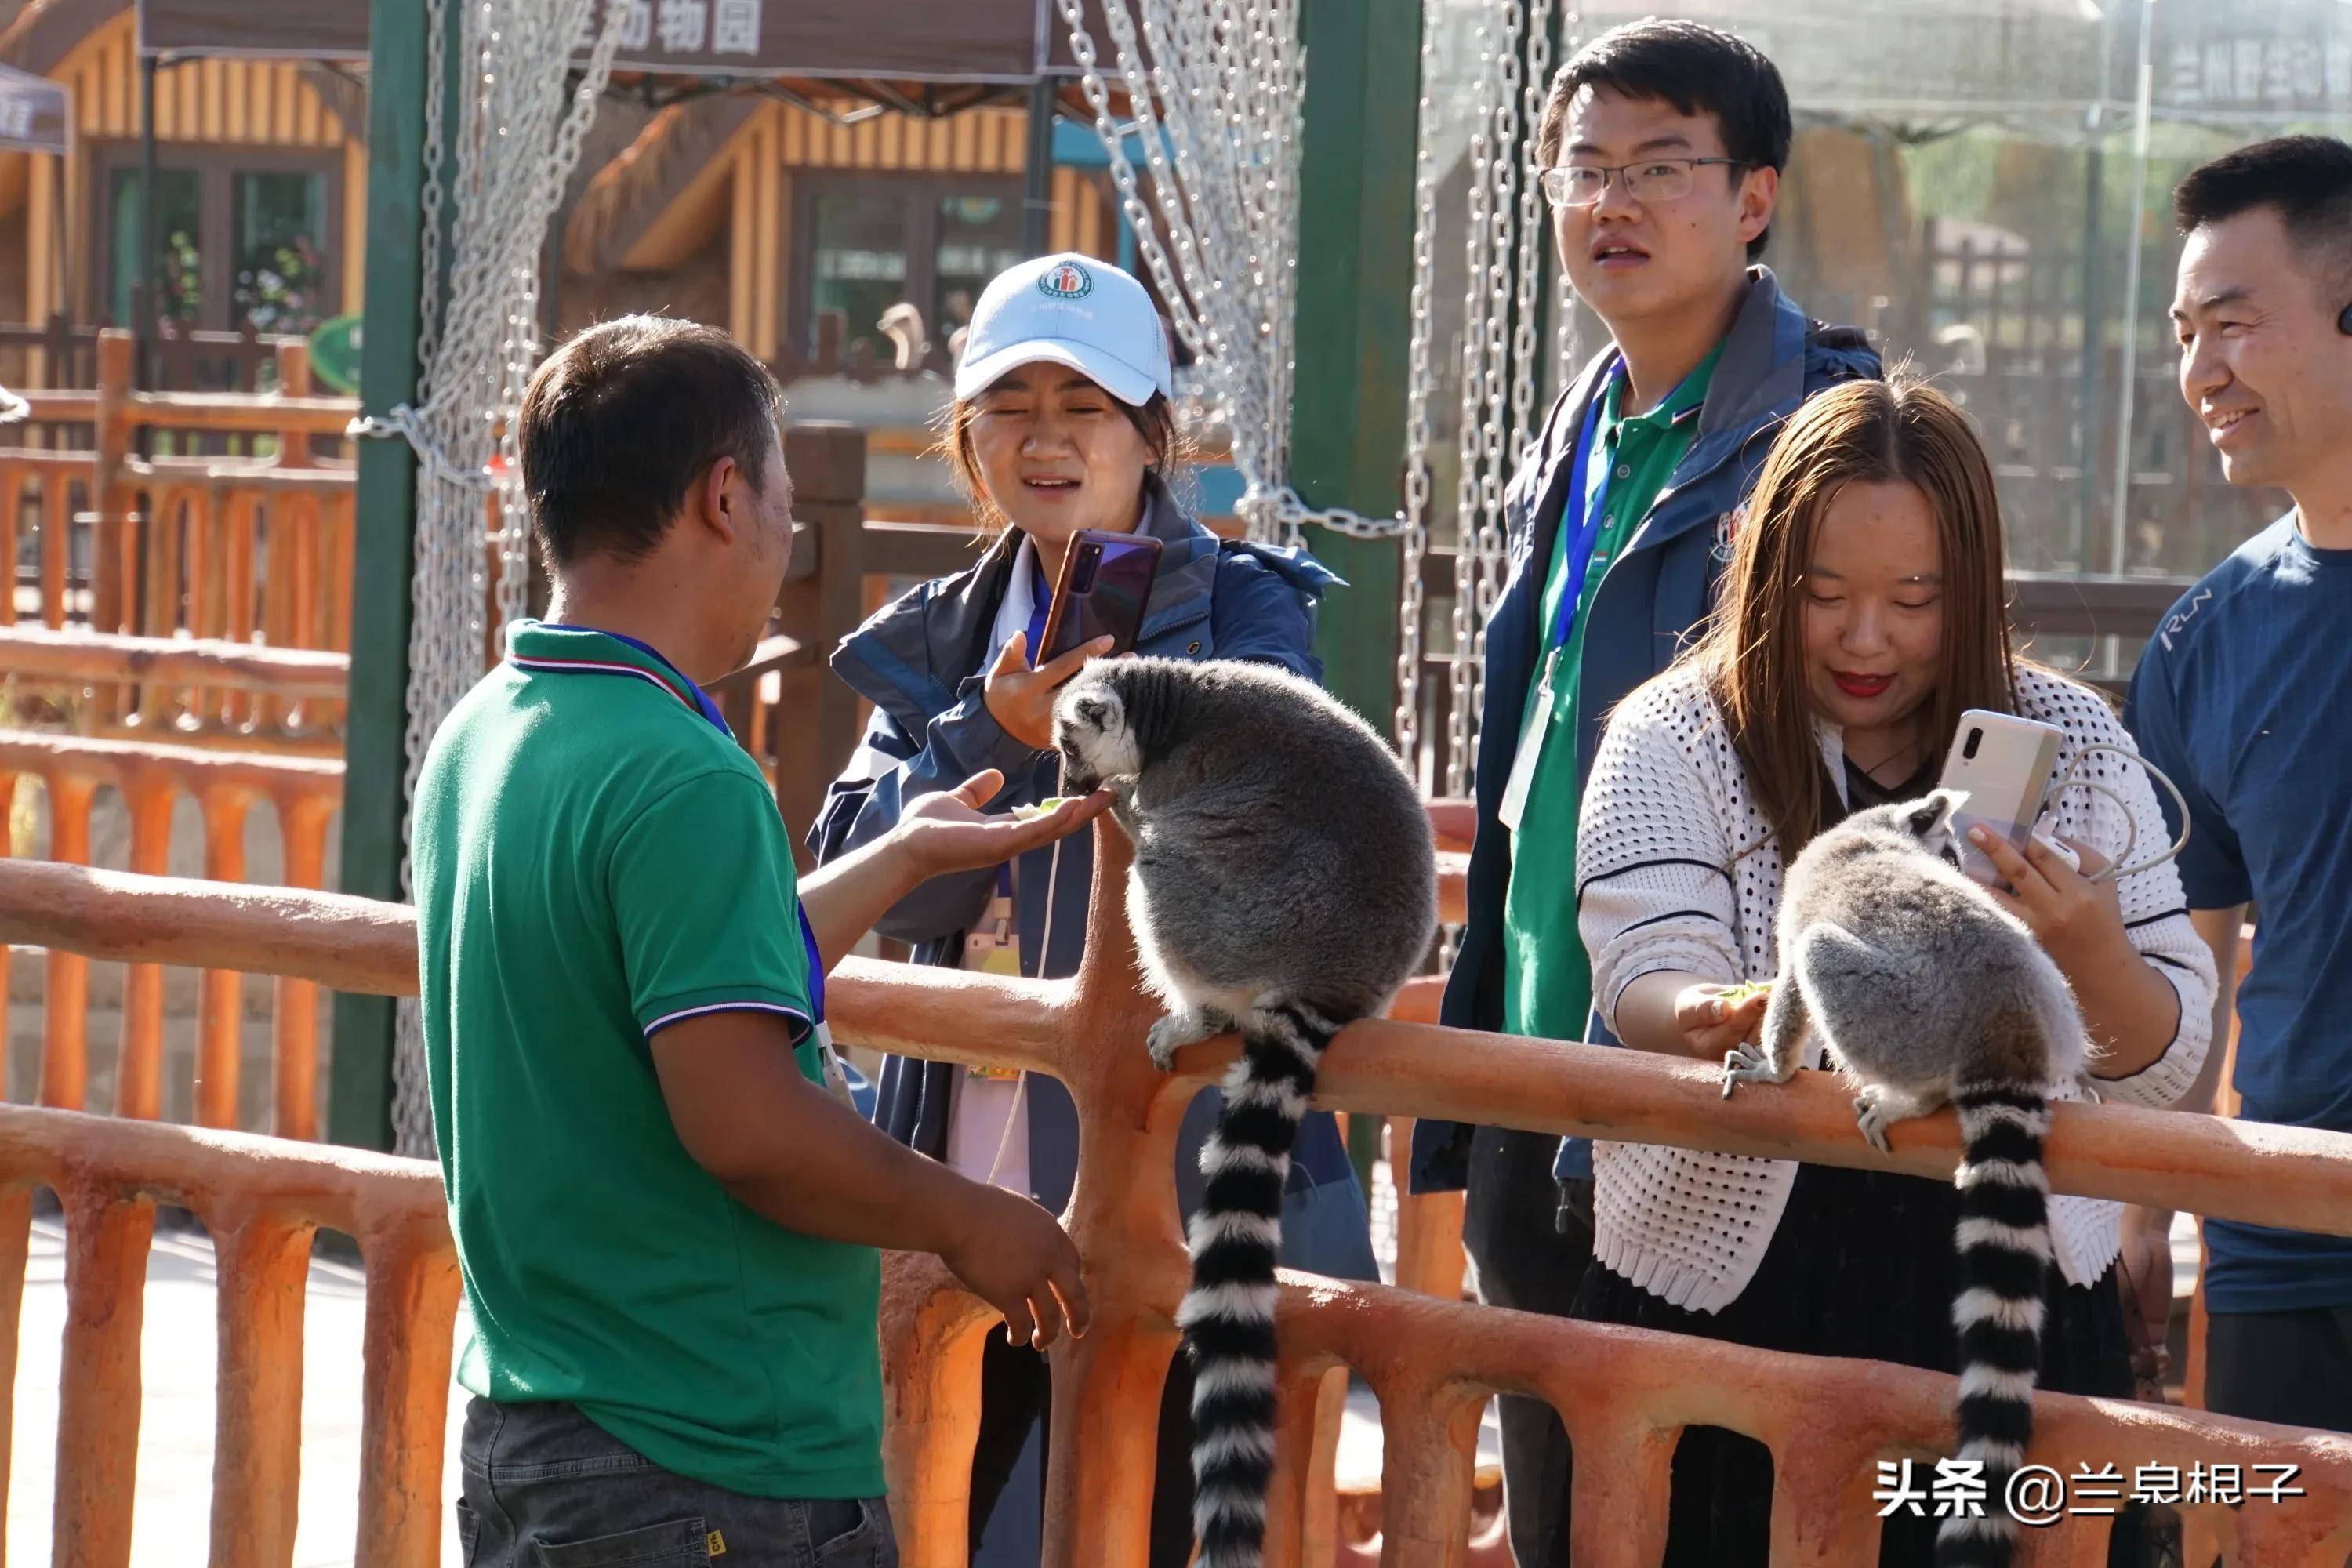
(1625, 1395)
(56, 354)
(206, 547)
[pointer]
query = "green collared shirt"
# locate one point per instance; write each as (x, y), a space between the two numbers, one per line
(596, 861)
(1547, 975)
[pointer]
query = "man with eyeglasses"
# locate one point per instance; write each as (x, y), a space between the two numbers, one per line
(1660, 150)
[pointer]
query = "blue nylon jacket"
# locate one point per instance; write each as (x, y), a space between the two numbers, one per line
(1658, 589)
(921, 661)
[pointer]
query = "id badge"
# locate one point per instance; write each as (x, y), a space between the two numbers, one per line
(993, 947)
(836, 1081)
(1529, 752)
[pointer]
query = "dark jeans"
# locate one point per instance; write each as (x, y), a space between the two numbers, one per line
(2293, 1368)
(1531, 1237)
(547, 1488)
(1016, 1393)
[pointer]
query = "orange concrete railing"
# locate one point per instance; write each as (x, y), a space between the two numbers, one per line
(262, 1201)
(305, 793)
(1624, 1394)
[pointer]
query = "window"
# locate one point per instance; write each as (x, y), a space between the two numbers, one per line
(860, 265)
(870, 241)
(248, 236)
(281, 282)
(179, 218)
(979, 237)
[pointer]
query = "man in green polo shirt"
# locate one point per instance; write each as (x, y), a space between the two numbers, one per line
(666, 1224)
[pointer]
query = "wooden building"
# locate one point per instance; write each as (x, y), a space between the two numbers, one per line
(763, 208)
(767, 215)
(260, 188)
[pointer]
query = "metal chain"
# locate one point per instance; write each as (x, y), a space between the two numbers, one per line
(497, 161)
(1478, 305)
(1495, 475)
(1419, 384)
(1216, 120)
(1533, 232)
(1564, 322)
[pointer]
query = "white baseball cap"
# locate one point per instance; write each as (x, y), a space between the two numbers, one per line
(1069, 310)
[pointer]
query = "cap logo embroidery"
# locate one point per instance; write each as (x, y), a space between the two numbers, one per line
(1068, 281)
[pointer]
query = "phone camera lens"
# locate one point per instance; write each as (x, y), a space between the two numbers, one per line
(1968, 751)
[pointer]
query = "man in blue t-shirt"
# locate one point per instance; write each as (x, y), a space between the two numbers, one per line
(2241, 699)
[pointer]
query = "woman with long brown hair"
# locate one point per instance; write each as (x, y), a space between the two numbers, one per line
(1862, 613)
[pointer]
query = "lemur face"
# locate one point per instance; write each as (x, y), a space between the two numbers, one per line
(1927, 822)
(1090, 730)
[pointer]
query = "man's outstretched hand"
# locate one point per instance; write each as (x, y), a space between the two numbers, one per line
(949, 832)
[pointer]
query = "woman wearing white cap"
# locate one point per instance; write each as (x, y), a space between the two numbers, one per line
(1062, 421)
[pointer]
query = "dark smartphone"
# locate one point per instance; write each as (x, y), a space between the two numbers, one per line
(1105, 583)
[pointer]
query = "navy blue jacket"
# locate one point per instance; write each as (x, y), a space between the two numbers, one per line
(1653, 594)
(921, 660)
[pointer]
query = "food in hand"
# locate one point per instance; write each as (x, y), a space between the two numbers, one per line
(1747, 990)
(1046, 807)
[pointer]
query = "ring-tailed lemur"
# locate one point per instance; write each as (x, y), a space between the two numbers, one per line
(1927, 993)
(1284, 884)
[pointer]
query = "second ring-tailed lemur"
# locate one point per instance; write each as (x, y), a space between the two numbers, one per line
(1285, 886)
(1927, 993)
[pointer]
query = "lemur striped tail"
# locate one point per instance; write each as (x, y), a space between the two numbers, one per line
(1228, 1315)
(2004, 1243)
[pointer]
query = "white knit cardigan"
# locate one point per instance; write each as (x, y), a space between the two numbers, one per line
(1662, 886)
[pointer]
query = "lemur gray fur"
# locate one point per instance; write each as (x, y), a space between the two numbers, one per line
(1927, 993)
(1284, 885)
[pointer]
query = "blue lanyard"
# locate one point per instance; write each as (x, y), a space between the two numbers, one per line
(709, 711)
(1041, 599)
(1596, 512)
(816, 967)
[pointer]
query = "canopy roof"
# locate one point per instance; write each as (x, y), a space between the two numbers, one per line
(903, 40)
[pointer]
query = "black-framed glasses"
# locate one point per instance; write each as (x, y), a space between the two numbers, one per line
(1650, 180)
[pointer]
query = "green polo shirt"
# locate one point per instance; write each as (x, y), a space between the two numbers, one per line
(1547, 976)
(594, 861)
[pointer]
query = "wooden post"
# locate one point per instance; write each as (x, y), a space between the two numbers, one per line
(821, 602)
(159, 605)
(1355, 287)
(303, 516)
(240, 524)
(56, 535)
(12, 491)
(110, 499)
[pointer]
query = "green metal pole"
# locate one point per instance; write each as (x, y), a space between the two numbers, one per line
(1355, 291)
(376, 720)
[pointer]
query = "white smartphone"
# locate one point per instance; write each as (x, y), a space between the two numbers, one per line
(2004, 765)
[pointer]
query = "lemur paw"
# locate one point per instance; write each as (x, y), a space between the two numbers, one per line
(1746, 1063)
(1872, 1115)
(1172, 1034)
